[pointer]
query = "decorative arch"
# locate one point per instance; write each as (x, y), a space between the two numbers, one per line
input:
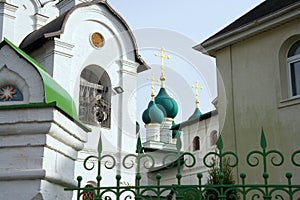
(285, 66)
(11, 82)
(213, 137)
(95, 96)
(36, 5)
(196, 143)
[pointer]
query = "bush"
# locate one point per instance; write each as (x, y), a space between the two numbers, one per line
(215, 178)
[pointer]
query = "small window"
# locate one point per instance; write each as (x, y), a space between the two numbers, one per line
(196, 144)
(293, 63)
(213, 138)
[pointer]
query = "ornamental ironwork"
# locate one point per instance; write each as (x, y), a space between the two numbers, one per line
(261, 160)
(93, 107)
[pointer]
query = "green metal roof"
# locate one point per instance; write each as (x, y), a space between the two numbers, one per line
(54, 93)
(197, 113)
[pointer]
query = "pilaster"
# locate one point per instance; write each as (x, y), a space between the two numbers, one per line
(165, 132)
(128, 82)
(7, 20)
(56, 56)
(66, 5)
(152, 132)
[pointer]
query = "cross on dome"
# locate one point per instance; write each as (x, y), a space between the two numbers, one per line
(197, 87)
(163, 57)
(152, 79)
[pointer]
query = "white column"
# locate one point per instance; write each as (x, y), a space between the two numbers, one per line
(165, 132)
(66, 5)
(57, 53)
(7, 20)
(129, 83)
(152, 132)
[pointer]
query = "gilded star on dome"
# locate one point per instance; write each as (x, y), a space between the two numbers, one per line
(7, 93)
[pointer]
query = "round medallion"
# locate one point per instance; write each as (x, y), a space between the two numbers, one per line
(97, 40)
(10, 93)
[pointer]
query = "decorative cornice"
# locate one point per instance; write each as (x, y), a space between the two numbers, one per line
(169, 119)
(8, 10)
(41, 18)
(152, 124)
(130, 63)
(128, 72)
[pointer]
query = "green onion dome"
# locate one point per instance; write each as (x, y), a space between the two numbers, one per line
(175, 133)
(166, 103)
(152, 114)
(197, 113)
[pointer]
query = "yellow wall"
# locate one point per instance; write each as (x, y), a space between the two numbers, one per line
(250, 70)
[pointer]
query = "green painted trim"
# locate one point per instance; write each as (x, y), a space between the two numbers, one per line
(54, 93)
(44, 105)
(31, 105)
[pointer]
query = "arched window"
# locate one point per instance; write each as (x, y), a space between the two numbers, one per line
(95, 97)
(10, 93)
(213, 138)
(293, 64)
(196, 143)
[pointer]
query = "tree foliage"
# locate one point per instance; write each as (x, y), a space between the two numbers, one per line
(221, 181)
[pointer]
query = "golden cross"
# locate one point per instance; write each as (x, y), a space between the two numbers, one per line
(197, 87)
(163, 57)
(152, 79)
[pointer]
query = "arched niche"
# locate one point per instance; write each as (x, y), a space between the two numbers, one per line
(95, 96)
(196, 143)
(12, 82)
(213, 137)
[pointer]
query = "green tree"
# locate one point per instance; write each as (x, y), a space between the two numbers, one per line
(217, 178)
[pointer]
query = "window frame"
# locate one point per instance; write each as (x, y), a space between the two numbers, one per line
(289, 62)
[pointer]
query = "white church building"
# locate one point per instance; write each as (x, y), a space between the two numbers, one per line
(68, 72)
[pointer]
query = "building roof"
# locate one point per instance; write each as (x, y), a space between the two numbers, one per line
(54, 93)
(268, 10)
(195, 120)
(260, 11)
(196, 114)
(56, 27)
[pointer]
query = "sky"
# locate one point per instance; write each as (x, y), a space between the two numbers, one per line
(177, 26)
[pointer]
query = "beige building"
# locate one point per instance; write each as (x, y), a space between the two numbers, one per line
(258, 57)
